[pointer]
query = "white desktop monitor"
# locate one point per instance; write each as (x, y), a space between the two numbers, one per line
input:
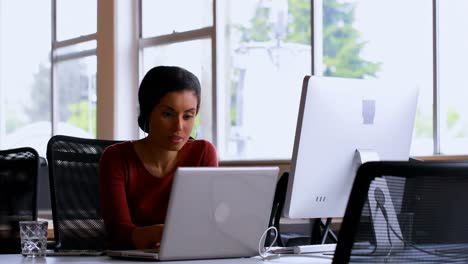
(336, 117)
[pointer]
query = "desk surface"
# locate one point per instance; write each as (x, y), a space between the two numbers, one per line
(19, 259)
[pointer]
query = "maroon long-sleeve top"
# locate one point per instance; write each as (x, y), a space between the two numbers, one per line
(131, 197)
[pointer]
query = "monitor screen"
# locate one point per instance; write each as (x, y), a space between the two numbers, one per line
(338, 116)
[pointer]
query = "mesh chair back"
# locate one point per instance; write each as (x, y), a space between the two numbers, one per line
(402, 212)
(74, 192)
(18, 192)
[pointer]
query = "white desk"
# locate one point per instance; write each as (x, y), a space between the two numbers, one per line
(19, 259)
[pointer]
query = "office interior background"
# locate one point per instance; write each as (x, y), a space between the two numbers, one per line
(73, 67)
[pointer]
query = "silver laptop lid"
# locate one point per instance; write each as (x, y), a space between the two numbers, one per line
(218, 212)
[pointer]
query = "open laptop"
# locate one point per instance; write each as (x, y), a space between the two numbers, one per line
(214, 213)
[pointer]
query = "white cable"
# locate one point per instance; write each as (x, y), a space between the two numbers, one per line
(261, 249)
(266, 254)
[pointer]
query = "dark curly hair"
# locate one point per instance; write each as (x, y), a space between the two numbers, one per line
(160, 81)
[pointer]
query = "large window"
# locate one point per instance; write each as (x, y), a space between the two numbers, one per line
(46, 87)
(264, 48)
(265, 56)
(74, 68)
(161, 17)
(453, 81)
(250, 56)
(75, 18)
(373, 44)
(362, 39)
(171, 35)
(25, 118)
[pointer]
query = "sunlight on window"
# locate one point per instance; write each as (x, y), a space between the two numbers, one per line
(25, 117)
(362, 39)
(452, 78)
(267, 58)
(76, 18)
(76, 91)
(160, 17)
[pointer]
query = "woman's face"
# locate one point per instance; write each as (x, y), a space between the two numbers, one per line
(172, 119)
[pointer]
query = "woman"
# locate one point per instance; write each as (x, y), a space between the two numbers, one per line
(136, 176)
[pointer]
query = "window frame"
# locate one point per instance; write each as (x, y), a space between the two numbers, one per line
(2, 85)
(213, 31)
(184, 36)
(56, 58)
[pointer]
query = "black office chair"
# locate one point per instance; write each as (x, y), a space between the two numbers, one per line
(18, 192)
(74, 178)
(423, 220)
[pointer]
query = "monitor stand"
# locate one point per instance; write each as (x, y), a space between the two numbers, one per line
(320, 231)
(388, 236)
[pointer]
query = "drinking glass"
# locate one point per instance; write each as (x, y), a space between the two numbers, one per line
(33, 238)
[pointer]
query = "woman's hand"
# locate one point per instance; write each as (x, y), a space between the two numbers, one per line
(147, 236)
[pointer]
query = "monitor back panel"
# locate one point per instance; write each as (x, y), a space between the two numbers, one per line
(336, 117)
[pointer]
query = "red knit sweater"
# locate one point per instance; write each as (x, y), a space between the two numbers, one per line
(131, 197)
